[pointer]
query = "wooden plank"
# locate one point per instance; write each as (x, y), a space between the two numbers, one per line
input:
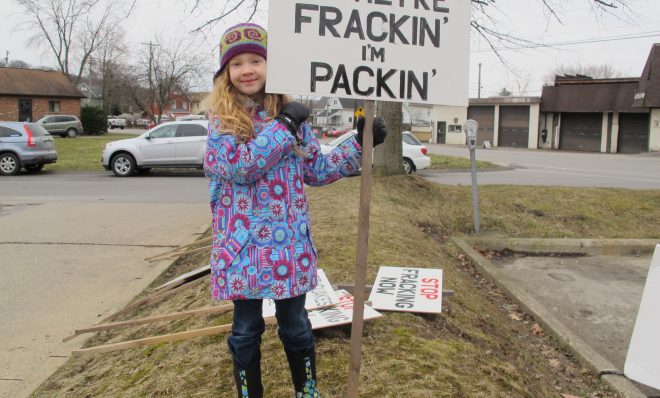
(189, 334)
(188, 276)
(362, 247)
(167, 256)
(153, 298)
(157, 318)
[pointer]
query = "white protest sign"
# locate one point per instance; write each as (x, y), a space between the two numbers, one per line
(407, 289)
(643, 360)
(340, 314)
(323, 295)
(390, 50)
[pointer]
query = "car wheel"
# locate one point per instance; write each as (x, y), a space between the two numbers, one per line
(408, 166)
(143, 170)
(71, 133)
(34, 168)
(121, 127)
(9, 164)
(123, 165)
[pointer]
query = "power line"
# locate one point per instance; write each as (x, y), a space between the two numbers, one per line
(571, 43)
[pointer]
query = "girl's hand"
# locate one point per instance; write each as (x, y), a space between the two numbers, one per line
(292, 115)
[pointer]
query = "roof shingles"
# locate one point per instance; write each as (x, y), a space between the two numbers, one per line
(36, 83)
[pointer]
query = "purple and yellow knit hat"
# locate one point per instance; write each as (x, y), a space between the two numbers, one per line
(239, 39)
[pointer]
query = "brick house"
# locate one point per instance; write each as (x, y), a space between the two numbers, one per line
(177, 104)
(30, 94)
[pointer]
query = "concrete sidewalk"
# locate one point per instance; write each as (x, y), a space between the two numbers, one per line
(67, 265)
(585, 291)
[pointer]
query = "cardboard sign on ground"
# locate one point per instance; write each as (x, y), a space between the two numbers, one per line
(322, 296)
(408, 290)
(341, 314)
(643, 360)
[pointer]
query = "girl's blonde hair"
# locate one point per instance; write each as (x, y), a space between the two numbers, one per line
(229, 105)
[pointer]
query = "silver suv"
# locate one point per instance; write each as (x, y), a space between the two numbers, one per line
(173, 144)
(63, 125)
(24, 145)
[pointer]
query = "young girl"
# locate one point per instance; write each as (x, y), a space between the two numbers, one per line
(260, 153)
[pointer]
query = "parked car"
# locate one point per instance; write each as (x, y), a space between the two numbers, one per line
(62, 125)
(26, 145)
(142, 123)
(414, 153)
(172, 144)
(336, 133)
(191, 117)
(115, 121)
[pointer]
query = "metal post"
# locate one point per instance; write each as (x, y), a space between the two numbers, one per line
(475, 193)
(470, 128)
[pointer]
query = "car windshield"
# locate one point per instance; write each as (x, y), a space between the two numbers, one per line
(341, 138)
(410, 139)
(37, 130)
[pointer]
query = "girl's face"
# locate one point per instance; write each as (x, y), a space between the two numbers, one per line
(247, 72)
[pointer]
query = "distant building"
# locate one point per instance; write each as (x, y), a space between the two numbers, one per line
(30, 94)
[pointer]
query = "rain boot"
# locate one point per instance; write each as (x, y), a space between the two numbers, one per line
(248, 380)
(303, 373)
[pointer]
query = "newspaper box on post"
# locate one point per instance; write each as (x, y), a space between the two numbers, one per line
(388, 50)
(407, 289)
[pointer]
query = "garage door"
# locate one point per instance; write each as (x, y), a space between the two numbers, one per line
(580, 131)
(633, 132)
(514, 126)
(485, 116)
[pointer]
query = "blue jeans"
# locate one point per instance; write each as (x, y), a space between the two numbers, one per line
(294, 329)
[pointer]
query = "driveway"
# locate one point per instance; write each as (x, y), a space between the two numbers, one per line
(73, 248)
(554, 168)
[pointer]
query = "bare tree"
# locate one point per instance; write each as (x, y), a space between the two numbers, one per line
(166, 67)
(603, 71)
(72, 30)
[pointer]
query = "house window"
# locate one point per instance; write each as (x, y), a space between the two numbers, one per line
(455, 128)
(350, 120)
(173, 106)
(185, 105)
(54, 106)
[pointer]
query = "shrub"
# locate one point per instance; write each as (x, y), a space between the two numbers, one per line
(94, 120)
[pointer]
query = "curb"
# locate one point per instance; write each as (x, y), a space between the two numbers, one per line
(565, 336)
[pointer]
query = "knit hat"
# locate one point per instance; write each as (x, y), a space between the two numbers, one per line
(239, 39)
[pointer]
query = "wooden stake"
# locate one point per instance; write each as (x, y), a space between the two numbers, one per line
(169, 255)
(362, 248)
(156, 318)
(153, 298)
(180, 248)
(189, 334)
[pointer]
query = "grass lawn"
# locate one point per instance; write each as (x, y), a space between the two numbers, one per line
(483, 345)
(82, 153)
(443, 162)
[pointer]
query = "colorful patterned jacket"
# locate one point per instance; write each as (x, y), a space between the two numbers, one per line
(262, 243)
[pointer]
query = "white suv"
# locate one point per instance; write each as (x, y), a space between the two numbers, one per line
(173, 144)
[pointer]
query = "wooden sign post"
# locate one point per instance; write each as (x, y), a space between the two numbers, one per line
(362, 249)
(400, 51)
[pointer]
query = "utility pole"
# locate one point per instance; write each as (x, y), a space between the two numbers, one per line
(150, 79)
(89, 83)
(479, 88)
(6, 58)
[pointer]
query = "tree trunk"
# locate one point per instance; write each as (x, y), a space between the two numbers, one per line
(388, 155)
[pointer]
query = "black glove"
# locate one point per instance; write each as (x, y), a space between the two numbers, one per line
(379, 129)
(292, 115)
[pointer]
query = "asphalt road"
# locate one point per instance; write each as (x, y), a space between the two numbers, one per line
(541, 167)
(73, 247)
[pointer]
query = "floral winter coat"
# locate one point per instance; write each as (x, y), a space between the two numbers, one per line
(262, 244)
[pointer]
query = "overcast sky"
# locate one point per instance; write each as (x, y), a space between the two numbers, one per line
(622, 40)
